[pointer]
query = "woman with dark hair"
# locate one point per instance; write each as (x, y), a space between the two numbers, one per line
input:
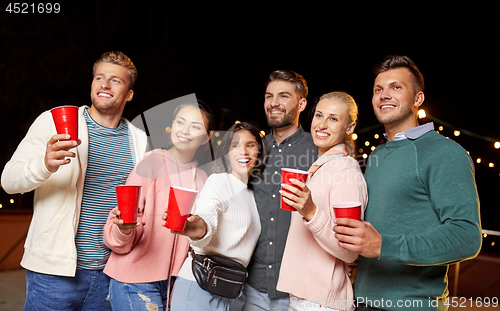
(145, 256)
(226, 221)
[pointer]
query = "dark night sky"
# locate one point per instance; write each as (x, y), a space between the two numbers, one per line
(225, 53)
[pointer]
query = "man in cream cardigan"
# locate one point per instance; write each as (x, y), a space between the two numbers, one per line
(74, 190)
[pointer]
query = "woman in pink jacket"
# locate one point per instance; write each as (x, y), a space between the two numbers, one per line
(314, 268)
(145, 255)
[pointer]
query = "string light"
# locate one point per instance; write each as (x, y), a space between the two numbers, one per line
(440, 125)
(421, 114)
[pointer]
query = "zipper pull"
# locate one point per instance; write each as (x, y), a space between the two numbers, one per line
(215, 283)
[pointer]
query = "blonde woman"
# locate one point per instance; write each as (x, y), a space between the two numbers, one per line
(314, 266)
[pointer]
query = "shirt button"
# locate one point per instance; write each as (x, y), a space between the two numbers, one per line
(270, 266)
(272, 219)
(274, 195)
(279, 150)
(275, 172)
(289, 145)
(270, 243)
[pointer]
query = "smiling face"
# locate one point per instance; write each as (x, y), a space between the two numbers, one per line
(188, 133)
(282, 104)
(243, 154)
(395, 101)
(330, 124)
(110, 89)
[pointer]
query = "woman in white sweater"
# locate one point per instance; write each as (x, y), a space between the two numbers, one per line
(227, 221)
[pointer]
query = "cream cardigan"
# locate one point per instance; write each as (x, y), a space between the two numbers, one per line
(50, 244)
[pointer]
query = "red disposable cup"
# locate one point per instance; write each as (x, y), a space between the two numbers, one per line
(127, 198)
(286, 175)
(180, 203)
(350, 210)
(66, 120)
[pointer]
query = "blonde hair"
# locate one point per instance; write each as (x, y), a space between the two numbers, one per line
(120, 59)
(352, 112)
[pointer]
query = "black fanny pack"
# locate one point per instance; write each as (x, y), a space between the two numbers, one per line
(219, 275)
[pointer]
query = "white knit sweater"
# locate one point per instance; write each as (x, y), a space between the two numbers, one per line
(233, 224)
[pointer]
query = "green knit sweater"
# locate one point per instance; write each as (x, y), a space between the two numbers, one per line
(422, 199)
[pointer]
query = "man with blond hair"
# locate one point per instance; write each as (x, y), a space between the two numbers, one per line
(74, 183)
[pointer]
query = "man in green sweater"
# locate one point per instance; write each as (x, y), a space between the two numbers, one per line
(423, 207)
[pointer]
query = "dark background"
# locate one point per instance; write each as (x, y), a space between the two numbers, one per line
(224, 54)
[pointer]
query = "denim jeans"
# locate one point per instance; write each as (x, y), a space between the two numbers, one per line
(257, 301)
(138, 296)
(188, 296)
(299, 304)
(88, 290)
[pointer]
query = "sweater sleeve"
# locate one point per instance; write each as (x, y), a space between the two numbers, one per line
(348, 186)
(448, 179)
(113, 238)
(209, 206)
(26, 169)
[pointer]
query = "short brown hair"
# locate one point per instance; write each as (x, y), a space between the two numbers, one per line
(397, 61)
(290, 76)
(120, 59)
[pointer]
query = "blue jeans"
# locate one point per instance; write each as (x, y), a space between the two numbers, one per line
(138, 296)
(257, 301)
(188, 296)
(88, 290)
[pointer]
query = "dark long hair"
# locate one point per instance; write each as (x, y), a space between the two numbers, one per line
(220, 164)
(204, 154)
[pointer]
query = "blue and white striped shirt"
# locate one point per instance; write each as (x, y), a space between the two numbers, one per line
(110, 161)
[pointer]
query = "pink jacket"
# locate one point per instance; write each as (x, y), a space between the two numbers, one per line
(151, 252)
(313, 265)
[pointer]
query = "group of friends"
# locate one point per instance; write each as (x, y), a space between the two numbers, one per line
(418, 196)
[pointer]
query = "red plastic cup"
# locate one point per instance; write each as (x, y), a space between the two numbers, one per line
(127, 197)
(180, 203)
(66, 120)
(286, 175)
(350, 210)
